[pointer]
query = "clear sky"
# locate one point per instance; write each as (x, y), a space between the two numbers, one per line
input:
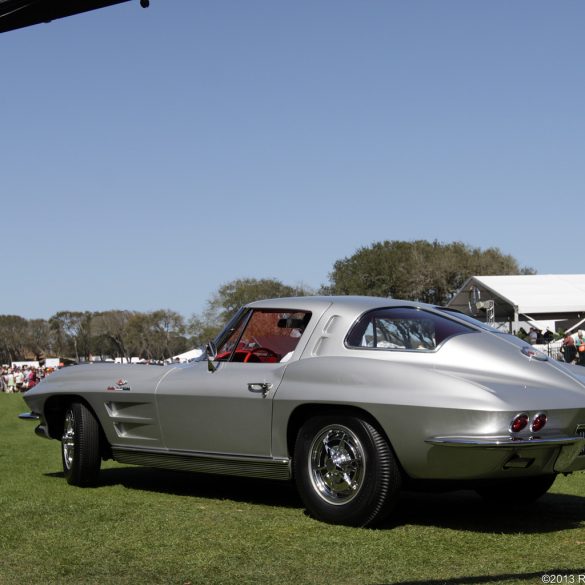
(150, 155)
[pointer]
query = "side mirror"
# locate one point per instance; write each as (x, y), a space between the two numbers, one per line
(211, 351)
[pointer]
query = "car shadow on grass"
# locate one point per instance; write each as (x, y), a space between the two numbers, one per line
(237, 489)
(458, 510)
(465, 510)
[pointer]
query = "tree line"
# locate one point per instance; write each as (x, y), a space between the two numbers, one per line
(420, 270)
(76, 335)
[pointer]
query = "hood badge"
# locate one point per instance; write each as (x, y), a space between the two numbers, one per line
(121, 384)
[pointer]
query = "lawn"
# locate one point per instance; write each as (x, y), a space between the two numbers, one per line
(143, 526)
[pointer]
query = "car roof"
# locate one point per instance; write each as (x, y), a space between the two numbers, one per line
(346, 303)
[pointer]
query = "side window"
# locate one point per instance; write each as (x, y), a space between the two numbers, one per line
(405, 328)
(265, 336)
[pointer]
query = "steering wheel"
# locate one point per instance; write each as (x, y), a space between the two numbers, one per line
(267, 353)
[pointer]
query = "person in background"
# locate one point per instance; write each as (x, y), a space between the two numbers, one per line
(568, 349)
(18, 379)
(10, 382)
(32, 379)
(580, 345)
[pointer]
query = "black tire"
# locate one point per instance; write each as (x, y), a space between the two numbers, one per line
(345, 470)
(521, 490)
(80, 446)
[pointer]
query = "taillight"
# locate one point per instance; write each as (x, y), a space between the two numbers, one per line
(520, 421)
(538, 422)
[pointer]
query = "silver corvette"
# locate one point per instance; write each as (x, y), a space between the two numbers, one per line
(353, 398)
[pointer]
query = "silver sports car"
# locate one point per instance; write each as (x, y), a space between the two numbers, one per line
(353, 398)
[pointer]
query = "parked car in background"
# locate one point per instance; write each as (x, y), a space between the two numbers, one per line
(353, 398)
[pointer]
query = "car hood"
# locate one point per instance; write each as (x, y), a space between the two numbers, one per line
(97, 377)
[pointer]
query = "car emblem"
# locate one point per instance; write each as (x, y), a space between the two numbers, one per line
(121, 384)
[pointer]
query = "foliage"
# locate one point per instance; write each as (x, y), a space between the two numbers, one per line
(156, 335)
(170, 528)
(419, 270)
(423, 271)
(111, 328)
(73, 326)
(21, 338)
(13, 333)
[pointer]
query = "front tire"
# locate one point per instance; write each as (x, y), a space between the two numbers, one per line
(80, 446)
(345, 470)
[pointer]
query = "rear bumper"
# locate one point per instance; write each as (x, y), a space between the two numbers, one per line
(567, 452)
(506, 442)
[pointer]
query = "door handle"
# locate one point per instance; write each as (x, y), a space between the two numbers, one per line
(259, 387)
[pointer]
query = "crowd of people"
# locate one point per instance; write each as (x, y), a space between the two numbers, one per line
(14, 379)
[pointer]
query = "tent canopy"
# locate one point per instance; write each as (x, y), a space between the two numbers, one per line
(534, 294)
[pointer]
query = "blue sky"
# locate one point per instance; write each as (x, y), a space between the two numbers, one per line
(149, 156)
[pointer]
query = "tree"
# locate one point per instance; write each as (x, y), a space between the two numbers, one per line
(423, 271)
(156, 335)
(111, 328)
(39, 338)
(73, 328)
(13, 335)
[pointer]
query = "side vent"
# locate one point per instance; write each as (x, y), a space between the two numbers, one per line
(327, 330)
(330, 324)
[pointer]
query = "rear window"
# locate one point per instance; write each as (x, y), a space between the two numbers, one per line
(403, 328)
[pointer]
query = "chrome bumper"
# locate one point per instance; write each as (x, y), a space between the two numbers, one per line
(506, 442)
(29, 416)
(40, 430)
(570, 449)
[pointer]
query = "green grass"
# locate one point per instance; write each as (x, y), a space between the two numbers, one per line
(144, 526)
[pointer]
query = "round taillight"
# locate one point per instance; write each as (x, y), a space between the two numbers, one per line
(520, 421)
(538, 422)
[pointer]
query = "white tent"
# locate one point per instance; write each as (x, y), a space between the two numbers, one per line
(517, 298)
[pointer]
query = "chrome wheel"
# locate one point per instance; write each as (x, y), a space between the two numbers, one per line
(345, 470)
(337, 464)
(68, 439)
(80, 445)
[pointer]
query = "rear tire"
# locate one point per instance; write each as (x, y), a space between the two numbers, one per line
(345, 470)
(80, 446)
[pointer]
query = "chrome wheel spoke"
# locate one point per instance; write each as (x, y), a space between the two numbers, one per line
(350, 483)
(337, 464)
(68, 440)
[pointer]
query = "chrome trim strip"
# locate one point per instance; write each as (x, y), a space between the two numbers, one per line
(504, 442)
(267, 468)
(29, 416)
